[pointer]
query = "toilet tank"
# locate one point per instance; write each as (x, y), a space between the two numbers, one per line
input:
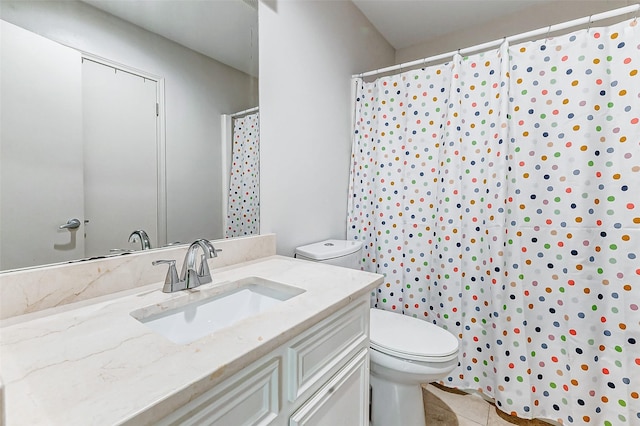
(334, 252)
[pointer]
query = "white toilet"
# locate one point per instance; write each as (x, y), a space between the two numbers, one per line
(400, 362)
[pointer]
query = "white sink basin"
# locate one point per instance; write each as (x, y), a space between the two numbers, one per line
(185, 320)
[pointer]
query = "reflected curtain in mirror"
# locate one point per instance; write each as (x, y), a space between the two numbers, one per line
(243, 206)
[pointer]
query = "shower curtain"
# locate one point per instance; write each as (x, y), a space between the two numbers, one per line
(243, 206)
(498, 195)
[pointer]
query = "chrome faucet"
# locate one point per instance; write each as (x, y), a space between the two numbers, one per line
(189, 277)
(142, 236)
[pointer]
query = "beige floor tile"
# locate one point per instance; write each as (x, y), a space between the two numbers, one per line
(448, 403)
(450, 407)
(463, 421)
(436, 411)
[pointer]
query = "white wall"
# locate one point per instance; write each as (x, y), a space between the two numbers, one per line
(308, 52)
(526, 20)
(197, 91)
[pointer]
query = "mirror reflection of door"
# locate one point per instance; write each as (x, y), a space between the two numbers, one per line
(40, 150)
(120, 152)
(71, 129)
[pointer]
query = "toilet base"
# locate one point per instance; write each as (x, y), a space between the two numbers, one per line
(396, 403)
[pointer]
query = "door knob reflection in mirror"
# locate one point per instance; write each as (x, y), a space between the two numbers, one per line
(71, 224)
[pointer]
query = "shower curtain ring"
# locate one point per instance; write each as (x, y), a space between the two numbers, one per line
(589, 25)
(546, 37)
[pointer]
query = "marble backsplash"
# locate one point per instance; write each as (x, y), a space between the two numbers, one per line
(31, 290)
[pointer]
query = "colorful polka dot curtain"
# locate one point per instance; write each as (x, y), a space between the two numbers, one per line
(243, 206)
(498, 194)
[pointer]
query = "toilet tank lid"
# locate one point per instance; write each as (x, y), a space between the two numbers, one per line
(328, 249)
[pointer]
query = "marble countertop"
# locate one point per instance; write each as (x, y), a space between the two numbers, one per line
(91, 362)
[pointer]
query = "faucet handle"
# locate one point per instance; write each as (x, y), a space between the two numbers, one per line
(171, 282)
(204, 274)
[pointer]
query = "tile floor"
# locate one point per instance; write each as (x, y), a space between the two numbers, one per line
(449, 407)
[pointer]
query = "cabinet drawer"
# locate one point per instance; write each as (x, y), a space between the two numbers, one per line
(251, 398)
(342, 401)
(323, 347)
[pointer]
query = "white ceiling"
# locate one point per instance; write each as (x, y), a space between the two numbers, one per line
(405, 23)
(227, 30)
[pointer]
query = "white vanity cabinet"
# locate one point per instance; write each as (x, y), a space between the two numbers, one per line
(320, 377)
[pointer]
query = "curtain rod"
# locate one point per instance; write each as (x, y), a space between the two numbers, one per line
(246, 111)
(545, 30)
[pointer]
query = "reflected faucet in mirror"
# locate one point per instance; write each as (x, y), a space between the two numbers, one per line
(189, 277)
(141, 235)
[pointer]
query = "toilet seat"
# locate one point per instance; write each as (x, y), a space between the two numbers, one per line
(396, 335)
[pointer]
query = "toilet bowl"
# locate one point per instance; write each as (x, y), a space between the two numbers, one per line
(405, 352)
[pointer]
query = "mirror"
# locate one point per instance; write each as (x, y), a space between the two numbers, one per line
(195, 87)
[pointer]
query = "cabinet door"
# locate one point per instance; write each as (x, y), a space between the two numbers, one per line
(343, 401)
(325, 347)
(41, 154)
